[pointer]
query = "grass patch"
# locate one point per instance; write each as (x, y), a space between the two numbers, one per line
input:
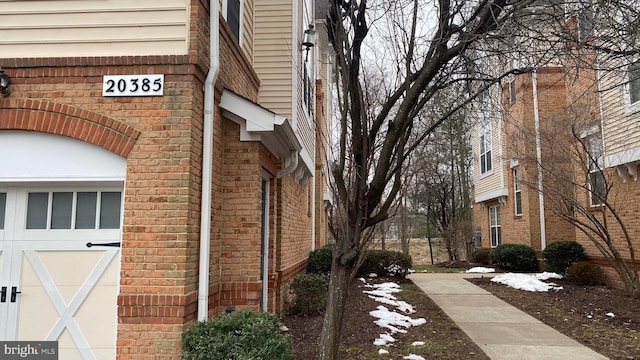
(436, 269)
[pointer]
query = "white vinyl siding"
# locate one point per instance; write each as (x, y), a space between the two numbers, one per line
(67, 28)
(620, 118)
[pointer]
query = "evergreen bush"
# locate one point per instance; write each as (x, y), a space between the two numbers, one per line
(514, 257)
(310, 292)
(319, 261)
(243, 335)
(558, 256)
(385, 263)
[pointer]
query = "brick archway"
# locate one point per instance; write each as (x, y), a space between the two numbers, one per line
(59, 119)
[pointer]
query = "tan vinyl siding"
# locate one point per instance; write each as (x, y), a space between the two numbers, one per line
(52, 28)
(272, 54)
(247, 28)
(621, 126)
(492, 180)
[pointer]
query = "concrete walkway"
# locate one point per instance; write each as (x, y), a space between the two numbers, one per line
(499, 329)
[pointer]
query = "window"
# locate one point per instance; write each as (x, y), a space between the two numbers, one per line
(3, 204)
(73, 210)
(233, 16)
(494, 225)
(485, 152)
(585, 22)
(597, 185)
(309, 98)
(512, 88)
(634, 83)
(512, 82)
(517, 190)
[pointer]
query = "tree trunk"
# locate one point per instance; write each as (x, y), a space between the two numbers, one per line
(332, 326)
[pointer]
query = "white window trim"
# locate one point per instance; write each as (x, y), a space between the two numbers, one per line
(224, 9)
(599, 169)
(517, 190)
(488, 150)
(498, 225)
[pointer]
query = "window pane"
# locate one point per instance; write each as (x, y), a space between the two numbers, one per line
(3, 204)
(634, 82)
(61, 210)
(37, 206)
(86, 210)
(233, 17)
(489, 164)
(598, 188)
(518, 203)
(110, 210)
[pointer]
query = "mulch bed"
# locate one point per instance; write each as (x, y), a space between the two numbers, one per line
(442, 338)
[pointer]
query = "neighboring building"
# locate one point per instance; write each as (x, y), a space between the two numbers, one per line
(135, 195)
(581, 126)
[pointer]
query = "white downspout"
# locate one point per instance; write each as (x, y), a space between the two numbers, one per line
(207, 161)
(536, 118)
(292, 161)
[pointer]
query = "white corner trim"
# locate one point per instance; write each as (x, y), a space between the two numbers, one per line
(495, 194)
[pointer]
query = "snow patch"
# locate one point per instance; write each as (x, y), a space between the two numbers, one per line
(417, 343)
(527, 282)
(480, 270)
(413, 357)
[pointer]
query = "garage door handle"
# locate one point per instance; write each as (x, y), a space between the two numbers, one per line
(112, 244)
(14, 292)
(3, 294)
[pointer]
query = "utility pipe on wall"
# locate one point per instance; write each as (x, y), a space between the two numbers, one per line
(207, 161)
(536, 118)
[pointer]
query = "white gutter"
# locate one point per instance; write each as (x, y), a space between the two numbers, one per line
(207, 161)
(536, 117)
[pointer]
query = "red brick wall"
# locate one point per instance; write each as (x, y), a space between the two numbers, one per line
(161, 138)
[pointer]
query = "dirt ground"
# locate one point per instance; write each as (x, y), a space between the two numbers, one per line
(442, 338)
(579, 312)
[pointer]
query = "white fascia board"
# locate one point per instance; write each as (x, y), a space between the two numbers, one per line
(257, 118)
(622, 157)
(492, 195)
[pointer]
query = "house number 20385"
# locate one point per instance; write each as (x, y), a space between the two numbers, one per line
(133, 85)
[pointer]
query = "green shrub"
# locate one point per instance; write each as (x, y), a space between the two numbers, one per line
(481, 256)
(319, 261)
(385, 263)
(310, 294)
(585, 273)
(558, 256)
(243, 335)
(514, 257)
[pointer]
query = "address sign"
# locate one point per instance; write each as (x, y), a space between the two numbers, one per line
(133, 85)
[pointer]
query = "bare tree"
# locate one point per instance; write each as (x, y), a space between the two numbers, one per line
(434, 47)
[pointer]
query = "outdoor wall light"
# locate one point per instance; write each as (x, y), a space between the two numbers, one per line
(308, 40)
(4, 84)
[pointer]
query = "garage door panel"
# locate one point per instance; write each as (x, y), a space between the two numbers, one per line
(68, 289)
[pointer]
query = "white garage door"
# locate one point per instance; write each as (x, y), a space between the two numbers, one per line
(60, 220)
